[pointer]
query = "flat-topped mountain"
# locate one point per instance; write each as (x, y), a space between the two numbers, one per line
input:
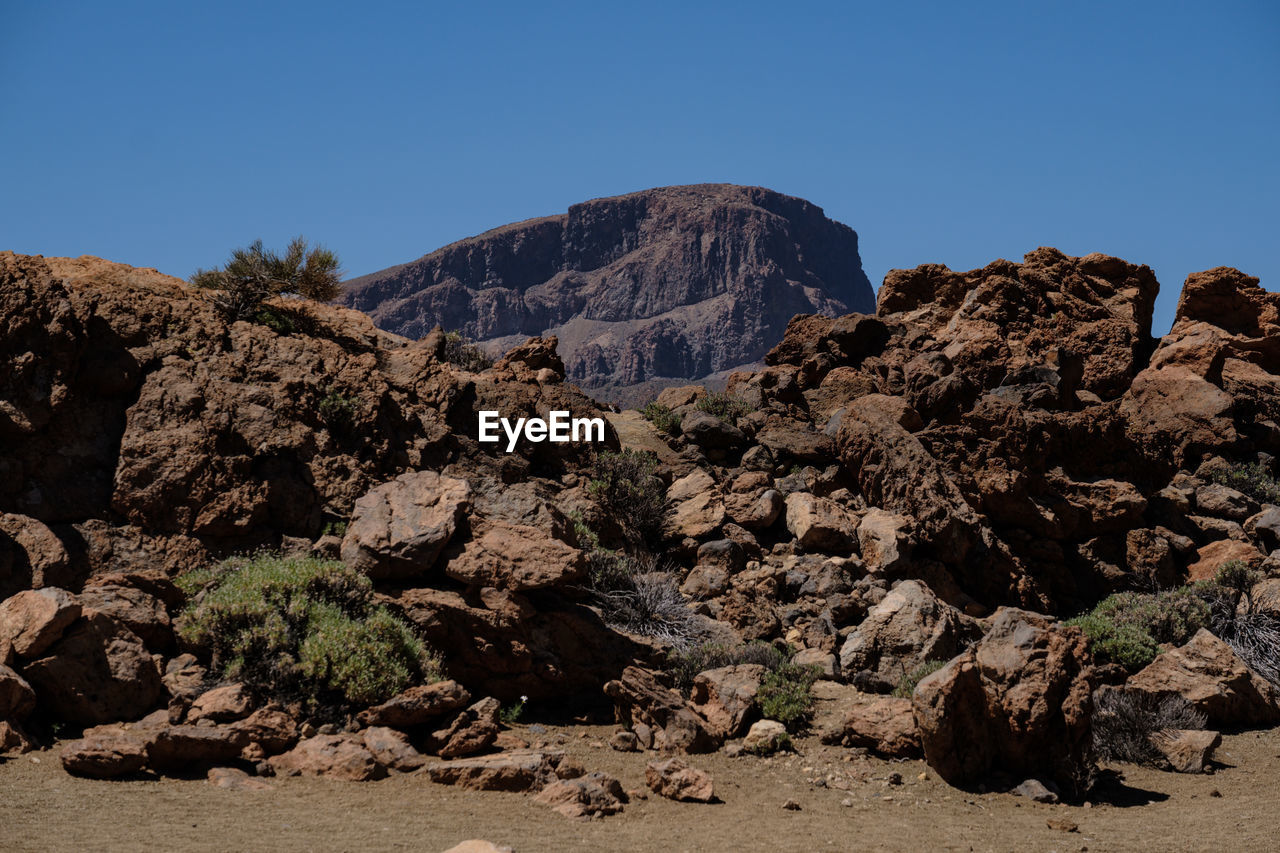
(677, 283)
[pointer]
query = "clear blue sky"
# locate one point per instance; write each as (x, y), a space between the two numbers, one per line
(164, 134)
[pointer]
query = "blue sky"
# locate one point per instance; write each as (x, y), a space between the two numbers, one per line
(164, 134)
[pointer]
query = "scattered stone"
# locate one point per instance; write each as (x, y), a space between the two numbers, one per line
(791, 805)
(1061, 824)
(766, 737)
(508, 771)
(676, 780)
(1187, 750)
(417, 705)
(472, 730)
(392, 749)
(625, 741)
(104, 752)
(584, 796)
(724, 697)
(331, 756)
(234, 779)
(221, 705)
(639, 697)
(1034, 789)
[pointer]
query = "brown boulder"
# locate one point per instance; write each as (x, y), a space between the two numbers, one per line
(417, 705)
(399, 529)
(392, 749)
(584, 796)
(520, 770)
(273, 730)
(138, 610)
(17, 699)
(908, 627)
(1209, 675)
(98, 672)
(105, 752)
(13, 740)
(725, 697)
(639, 697)
(179, 749)
(1211, 557)
(515, 557)
(1018, 703)
(234, 779)
(1187, 750)
(675, 780)
(39, 558)
(820, 524)
(885, 725)
(331, 756)
(472, 730)
(33, 620)
(224, 704)
(184, 676)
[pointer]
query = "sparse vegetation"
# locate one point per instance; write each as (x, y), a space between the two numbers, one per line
(651, 605)
(1124, 723)
(1234, 617)
(510, 715)
(724, 406)
(786, 695)
(1253, 479)
(465, 354)
(338, 411)
(684, 665)
(302, 629)
(662, 417)
(625, 484)
(778, 743)
(255, 274)
(1128, 627)
(907, 685)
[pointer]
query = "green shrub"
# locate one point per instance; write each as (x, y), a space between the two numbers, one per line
(907, 685)
(255, 274)
(464, 354)
(301, 628)
(662, 418)
(1128, 627)
(724, 406)
(786, 695)
(625, 484)
(1253, 479)
(1127, 645)
(338, 411)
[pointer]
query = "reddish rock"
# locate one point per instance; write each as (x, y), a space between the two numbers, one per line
(39, 558)
(179, 749)
(1018, 703)
(417, 705)
(392, 749)
(398, 529)
(105, 752)
(98, 672)
(725, 697)
(521, 770)
(184, 676)
(640, 698)
(33, 620)
(273, 730)
(17, 699)
(235, 780)
(330, 756)
(515, 557)
(1209, 675)
(13, 740)
(1211, 557)
(472, 730)
(820, 524)
(584, 796)
(138, 610)
(676, 780)
(1187, 750)
(885, 725)
(224, 704)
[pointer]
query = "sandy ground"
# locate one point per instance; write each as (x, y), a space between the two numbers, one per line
(846, 803)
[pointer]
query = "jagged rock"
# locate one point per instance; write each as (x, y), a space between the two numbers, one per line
(392, 749)
(472, 730)
(697, 517)
(754, 511)
(827, 664)
(640, 698)
(180, 748)
(33, 620)
(331, 756)
(523, 770)
(38, 558)
(908, 627)
(584, 796)
(709, 432)
(1019, 703)
(13, 740)
(399, 529)
(765, 736)
(884, 541)
(222, 704)
(820, 524)
(616, 277)
(141, 612)
(104, 752)
(417, 705)
(273, 730)
(1187, 750)
(1211, 557)
(17, 699)
(726, 696)
(184, 676)
(98, 672)
(1209, 675)
(515, 557)
(885, 725)
(676, 780)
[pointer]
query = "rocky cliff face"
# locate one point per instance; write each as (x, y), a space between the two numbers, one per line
(673, 283)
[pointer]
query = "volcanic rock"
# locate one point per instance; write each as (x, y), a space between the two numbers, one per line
(676, 780)
(331, 756)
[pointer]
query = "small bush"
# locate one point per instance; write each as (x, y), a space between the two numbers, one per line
(1253, 479)
(1124, 723)
(651, 606)
(256, 273)
(778, 743)
(625, 484)
(464, 354)
(786, 695)
(662, 418)
(300, 628)
(1252, 633)
(685, 664)
(724, 406)
(338, 411)
(907, 685)
(1128, 627)
(1127, 645)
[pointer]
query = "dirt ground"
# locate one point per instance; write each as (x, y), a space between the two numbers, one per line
(853, 807)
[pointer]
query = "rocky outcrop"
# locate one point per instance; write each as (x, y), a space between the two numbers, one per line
(673, 283)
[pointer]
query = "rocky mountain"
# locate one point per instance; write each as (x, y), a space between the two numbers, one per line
(667, 285)
(930, 488)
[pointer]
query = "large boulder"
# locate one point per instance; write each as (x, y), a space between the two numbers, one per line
(674, 779)
(820, 524)
(589, 795)
(17, 699)
(1017, 705)
(398, 529)
(514, 557)
(34, 619)
(726, 696)
(1209, 675)
(179, 749)
(105, 752)
(908, 627)
(639, 697)
(518, 770)
(341, 756)
(884, 725)
(99, 672)
(418, 705)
